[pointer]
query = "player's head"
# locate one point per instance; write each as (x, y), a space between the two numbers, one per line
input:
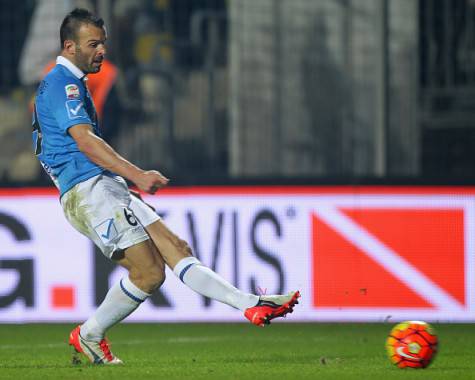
(83, 38)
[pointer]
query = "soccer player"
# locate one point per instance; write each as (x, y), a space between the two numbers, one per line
(96, 201)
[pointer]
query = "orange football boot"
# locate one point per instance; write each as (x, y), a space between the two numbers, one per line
(270, 307)
(96, 352)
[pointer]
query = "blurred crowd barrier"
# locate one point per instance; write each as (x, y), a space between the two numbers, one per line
(212, 90)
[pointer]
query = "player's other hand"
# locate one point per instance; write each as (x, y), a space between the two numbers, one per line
(150, 181)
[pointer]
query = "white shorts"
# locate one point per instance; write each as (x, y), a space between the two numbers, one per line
(102, 209)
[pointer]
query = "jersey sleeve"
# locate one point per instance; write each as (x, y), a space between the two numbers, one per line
(67, 102)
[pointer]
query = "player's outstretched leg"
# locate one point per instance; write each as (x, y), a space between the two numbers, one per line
(270, 307)
(259, 310)
(204, 281)
(177, 255)
(96, 352)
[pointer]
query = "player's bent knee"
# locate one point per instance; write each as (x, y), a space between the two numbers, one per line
(148, 279)
(156, 277)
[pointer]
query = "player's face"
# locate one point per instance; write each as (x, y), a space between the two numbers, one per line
(90, 48)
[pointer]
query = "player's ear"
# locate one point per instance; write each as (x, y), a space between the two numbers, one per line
(69, 46)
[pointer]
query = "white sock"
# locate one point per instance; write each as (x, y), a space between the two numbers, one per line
(121, 300)
(208, 283)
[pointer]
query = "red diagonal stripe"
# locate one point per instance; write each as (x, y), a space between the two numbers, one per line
(344, 276)
(432, 240)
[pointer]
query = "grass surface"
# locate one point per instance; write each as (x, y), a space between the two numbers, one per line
(232, 351)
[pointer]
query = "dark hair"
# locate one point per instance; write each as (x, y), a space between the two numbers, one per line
(73, 21)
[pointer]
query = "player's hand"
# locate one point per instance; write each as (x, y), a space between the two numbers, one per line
(151, 180)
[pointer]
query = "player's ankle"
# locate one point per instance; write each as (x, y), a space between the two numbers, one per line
(91, 331)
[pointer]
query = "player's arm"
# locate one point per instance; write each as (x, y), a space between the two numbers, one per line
(102, 154)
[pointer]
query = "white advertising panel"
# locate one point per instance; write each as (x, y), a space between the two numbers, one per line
(355, 253)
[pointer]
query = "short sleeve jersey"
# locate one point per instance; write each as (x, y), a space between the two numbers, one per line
(62, 101)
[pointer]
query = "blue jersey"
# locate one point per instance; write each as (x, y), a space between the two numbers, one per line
(62, 101)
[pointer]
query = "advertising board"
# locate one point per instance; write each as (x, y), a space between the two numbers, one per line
(355, 253)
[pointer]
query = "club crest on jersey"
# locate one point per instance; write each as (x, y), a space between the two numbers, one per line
(72, 91)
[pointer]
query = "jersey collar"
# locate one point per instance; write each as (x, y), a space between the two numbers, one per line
(60, 60)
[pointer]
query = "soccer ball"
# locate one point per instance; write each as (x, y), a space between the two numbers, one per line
(412, 344)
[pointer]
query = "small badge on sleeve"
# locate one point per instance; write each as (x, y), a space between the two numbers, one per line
(72, 91)
(75, 109)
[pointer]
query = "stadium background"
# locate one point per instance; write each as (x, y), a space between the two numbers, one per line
(327, 145)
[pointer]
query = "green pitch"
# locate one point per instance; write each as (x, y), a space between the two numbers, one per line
(232, 351)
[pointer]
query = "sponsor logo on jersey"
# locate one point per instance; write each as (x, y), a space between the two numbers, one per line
(72, 91)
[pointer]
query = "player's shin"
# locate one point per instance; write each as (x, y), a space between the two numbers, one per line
(204, 281)
(121, 300)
